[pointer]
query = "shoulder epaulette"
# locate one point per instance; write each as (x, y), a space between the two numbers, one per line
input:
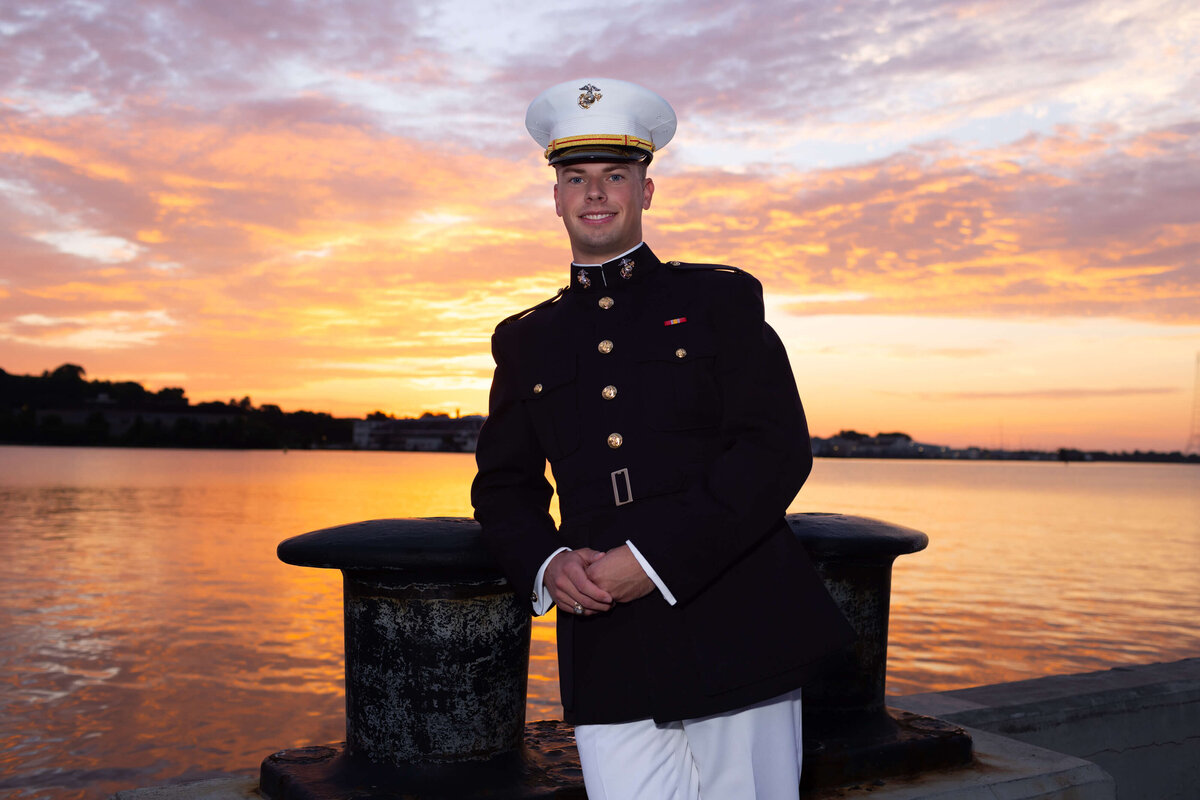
(531, 309)
(710, 267)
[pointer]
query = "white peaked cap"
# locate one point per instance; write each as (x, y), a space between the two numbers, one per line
(600, 119)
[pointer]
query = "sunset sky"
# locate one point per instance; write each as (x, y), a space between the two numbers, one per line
(976, 222)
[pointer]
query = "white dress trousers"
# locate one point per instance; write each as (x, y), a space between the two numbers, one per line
(754, 753)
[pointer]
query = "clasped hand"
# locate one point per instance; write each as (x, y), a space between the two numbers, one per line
(595, 580)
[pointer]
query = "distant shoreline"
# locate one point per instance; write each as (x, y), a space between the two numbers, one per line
(62, 408)
(852, 444)
(1089, 457)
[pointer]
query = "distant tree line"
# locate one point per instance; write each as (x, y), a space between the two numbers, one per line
(852, 444)
(62, 407)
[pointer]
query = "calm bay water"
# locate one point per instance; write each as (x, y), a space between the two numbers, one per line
(149, 635)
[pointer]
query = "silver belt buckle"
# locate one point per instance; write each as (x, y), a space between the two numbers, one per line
(624, 475)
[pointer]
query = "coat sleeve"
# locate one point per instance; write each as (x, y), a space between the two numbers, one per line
(764, 456)
(510, 492)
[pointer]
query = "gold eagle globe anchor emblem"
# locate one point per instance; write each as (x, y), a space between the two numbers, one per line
(590, 95)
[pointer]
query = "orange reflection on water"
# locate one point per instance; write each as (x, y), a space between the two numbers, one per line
(151, 634)
(1032, 568)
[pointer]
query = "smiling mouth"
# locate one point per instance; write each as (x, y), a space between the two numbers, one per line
(599, 217)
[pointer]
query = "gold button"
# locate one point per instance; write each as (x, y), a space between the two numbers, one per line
(615, 440)
(605, 346)
(533, 598)
(681, 353)
(608, 392)
(537, 388)
(606, 302)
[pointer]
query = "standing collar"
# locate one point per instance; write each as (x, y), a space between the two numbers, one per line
(629, 269)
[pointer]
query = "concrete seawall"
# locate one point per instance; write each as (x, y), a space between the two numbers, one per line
(1056, 737)
(1139, 724)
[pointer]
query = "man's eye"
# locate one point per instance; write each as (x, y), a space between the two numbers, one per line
(575, 179)
(616, 178)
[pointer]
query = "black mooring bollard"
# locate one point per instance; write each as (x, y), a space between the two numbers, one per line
(437, 661)
(437, 658)
(849, 733)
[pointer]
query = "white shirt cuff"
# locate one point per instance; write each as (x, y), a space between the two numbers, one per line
(542, 601)
(650, 573)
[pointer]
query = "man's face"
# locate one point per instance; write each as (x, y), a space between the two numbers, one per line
(601, 204)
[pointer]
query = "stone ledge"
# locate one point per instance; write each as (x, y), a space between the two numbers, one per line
(243, 787)
(1141, 723)
(1003, 769)
(1022, 705)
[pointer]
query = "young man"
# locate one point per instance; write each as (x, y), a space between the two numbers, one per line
(689, 615)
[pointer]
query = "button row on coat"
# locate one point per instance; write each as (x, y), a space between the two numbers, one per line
(605, 346)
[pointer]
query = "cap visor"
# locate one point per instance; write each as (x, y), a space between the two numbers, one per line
(574, 155)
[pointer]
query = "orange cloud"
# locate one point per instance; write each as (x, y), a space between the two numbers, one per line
(961, 234)
(338, 267)
(76, 155)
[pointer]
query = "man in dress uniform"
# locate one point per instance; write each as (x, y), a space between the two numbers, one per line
(688, 614)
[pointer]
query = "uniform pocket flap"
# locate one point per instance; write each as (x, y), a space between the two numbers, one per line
(541, 380)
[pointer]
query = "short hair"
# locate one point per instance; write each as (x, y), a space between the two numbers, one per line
(640, 167)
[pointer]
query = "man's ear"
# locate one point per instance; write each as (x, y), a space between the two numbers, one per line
(557, 206)
(647, 193)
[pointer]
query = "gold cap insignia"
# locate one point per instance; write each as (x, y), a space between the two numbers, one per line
(590, 95)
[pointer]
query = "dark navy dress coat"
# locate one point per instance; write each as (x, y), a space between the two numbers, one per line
(669, 415)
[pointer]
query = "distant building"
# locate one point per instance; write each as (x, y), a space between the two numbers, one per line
(432, 432)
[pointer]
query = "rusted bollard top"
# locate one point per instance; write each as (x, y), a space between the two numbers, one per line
(842, 536)
(432, 549)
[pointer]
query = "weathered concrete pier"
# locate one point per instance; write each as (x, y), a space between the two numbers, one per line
(437, 658)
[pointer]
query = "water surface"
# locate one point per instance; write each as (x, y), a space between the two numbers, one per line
(149, 634)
